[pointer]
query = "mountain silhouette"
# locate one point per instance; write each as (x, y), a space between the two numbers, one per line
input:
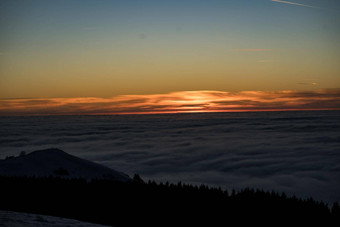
(57, 163)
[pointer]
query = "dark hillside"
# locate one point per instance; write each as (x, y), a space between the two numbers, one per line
(150, 204)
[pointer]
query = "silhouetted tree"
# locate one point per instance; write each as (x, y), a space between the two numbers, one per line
(138, 179)
(336, 209)
(61, 172)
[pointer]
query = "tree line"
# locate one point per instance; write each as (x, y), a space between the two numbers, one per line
(139, 203)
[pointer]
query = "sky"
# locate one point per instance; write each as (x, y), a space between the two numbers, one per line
(103, 51)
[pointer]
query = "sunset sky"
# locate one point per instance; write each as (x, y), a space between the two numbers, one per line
(146, 56)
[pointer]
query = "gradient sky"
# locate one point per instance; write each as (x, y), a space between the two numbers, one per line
(109, 48)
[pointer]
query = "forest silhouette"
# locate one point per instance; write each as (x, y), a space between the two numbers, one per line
(139, 203)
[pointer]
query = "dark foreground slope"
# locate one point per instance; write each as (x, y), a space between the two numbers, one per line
(21, 219)
(136, 203)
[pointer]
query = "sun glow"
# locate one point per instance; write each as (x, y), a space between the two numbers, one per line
(176, 102)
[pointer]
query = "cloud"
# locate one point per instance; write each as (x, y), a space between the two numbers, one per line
(296, 4)
(251, 50)
(266, 61)
(292, 152)
(305, 84)
(177, 102)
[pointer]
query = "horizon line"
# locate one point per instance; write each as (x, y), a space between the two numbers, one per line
(169, 112)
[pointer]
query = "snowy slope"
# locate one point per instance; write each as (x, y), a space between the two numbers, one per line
(18, 219)
(55, 162)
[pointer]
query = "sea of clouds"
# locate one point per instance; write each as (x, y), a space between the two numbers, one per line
(292, 152)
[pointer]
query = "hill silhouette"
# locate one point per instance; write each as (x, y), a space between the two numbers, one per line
(57, 163)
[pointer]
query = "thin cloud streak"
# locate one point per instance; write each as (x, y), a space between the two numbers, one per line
(177, 102)
(251, 50)
(296, 4)
(266, 61)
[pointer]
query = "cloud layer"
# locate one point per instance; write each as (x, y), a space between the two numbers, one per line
(177, 102)
(293, 152)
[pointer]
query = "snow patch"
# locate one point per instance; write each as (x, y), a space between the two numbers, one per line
(18, 219)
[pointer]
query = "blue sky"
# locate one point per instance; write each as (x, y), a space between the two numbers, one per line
(106, 48)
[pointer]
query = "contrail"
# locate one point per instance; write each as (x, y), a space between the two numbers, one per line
(296, 4)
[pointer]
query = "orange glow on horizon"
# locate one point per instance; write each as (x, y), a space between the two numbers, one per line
(177, 102)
